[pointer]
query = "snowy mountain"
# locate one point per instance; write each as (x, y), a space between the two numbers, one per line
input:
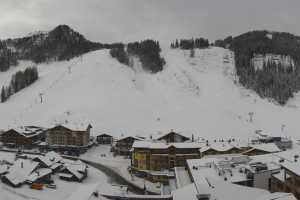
(61, 43)
(199, 95)
(276, 55)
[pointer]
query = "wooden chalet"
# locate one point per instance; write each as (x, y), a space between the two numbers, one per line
(104, 139)
(288, 180)
(261, 149)
(219, 149)
(68, 138)
(76, 171)
(19, 172)
(23, 137)
(124, 144)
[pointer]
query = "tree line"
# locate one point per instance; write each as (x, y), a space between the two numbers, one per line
(198, 43)
(148, 51)
(62, 43)
(274, 80)
(7, 57)
(19, 81)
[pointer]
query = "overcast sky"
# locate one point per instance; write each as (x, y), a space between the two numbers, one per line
(129, 20)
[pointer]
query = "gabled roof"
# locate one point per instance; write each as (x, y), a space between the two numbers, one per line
(49, 158)
(74, 126)
(20, 170)
(27, 131)
(219, 146)
(292, 166)
(159, 136)
(268, 147)
(125, 137)
(104, 134)
(163, 145)
(52, 155)
(76, 168)
(39, 174)
(4, 168)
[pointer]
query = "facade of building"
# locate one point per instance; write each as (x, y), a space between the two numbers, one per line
(288, 180)
(261, 149)
(23, 137)
(220, 148)
(162, 156)
(62, 136)
(104, 139)
(124, 144)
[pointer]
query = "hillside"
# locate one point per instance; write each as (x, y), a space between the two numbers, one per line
(197, 95)
(268, 63)
(61, 43)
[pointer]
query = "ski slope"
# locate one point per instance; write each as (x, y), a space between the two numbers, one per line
(198, 95)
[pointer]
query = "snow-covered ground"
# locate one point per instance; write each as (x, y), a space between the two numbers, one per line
(64, 190)
(197, 95)
(119, 164)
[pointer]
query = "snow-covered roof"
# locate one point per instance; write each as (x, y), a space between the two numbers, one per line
(4, 168)
(281, 175)
(182, 177)
(220, 146)
(226, 191)
(288, 155)
(76, 168)
(65, 175)
(50, 158)
(52, 155)
(187, 192)
(277, 196)
(159, 135)
(28, 131)
(104, 134)
(267, 147)
(39, 173)
(128, 136)
(292, 166)
(227, 168)
(163, 145)
(74, 126)
(20, 171)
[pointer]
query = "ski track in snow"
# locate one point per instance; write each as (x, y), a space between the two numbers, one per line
(199, 95)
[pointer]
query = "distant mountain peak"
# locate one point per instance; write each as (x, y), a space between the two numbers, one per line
(66, 31)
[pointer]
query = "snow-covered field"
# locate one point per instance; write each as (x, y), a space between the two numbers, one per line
(197, 95)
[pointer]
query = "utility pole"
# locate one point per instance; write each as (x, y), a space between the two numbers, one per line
(41, 97)
(251, 116)
(282, 127)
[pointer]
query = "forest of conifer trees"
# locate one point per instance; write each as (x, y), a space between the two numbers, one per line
(19, 81)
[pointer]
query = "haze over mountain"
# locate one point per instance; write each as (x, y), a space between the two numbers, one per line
(118, 20)
(199, 94)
